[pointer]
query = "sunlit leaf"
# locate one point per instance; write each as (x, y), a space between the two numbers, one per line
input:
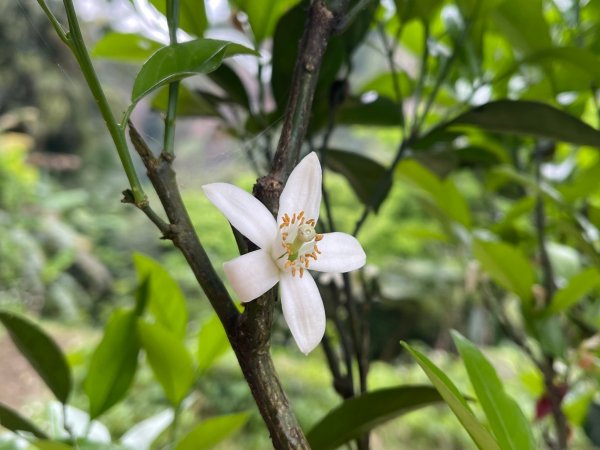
(263, 15)
(523, 24)
(13, 421)
(113, 363)
(507, 266)
(192, 15)
(452, 396)
(175, 62)
(443, 194)
(126, 47)
(210, 432)
(41, 351)
(506, 419)
(359, 415)
(164, 297)
(212, 343)
(578, 287)
(170, 361)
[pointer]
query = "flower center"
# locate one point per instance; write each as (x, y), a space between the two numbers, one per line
(299, 241)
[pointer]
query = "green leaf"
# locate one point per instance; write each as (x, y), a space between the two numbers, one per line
(42, 353)
(51, 445)
(506, 419)
(443, 194)
(523, 24)
(175, 62)
(165, 299)
(264, 15)
(522, 117)
(359, 415)
(189, 103)
(452, 396)
(408, 10)
(209, 433)
(170, 361)
(228, 80)
(367, 178)
(581, 67)
(13, 421)
(381, 112)
(127, 47)
(578, 287)
(212, 343)
(113, 363)
(507, 266)
(192, 15)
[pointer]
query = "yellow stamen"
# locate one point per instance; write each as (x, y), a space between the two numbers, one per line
(318, 237)
(301, 271)
(294, 218)
(293, 271)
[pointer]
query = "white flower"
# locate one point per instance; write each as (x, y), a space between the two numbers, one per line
(287, 248)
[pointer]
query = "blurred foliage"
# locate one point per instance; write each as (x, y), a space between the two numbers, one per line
(465, 129)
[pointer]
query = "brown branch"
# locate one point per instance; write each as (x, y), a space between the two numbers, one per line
(249, 333)
(319, 28)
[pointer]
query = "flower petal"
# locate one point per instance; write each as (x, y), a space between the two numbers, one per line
(303, 310)
(340, 253)
(244, 211)
(302, 191)
(252, 274)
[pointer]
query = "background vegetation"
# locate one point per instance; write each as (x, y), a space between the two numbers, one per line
(460, 140)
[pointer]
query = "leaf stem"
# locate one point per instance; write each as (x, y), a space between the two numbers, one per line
(76, 43)
(60, 31)
(170, 117)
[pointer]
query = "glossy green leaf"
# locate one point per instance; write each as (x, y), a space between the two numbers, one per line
(507, 266)
(175, 62)
(522, 117)
(114, 362)
(381, 112)
(189, 103)
(263, 15)
(210, 432)
(126, 47)
(509, 425)
(452, 396)
(13, 421)
(212, 343)
(41, 351)
(170, 361)
(165, 299)
(443, 194)
(578, 287)
(361, 414)
(367, 178)
(192, 15)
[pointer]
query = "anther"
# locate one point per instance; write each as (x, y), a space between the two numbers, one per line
(293, 271)
(318, 237)
(301, 271)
